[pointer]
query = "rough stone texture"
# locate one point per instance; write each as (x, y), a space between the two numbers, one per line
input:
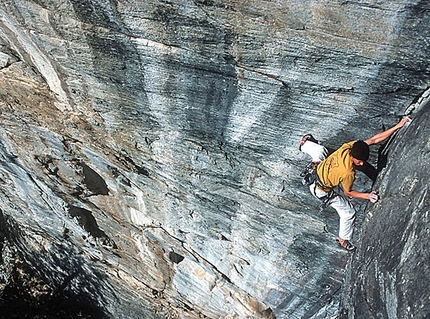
(148, 149)
(391, 271)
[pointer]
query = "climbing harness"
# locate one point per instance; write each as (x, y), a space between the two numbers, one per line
(325, 200)
(309, 177)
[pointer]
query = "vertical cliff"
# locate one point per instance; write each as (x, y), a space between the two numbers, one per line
(149, 162)
(390, 272)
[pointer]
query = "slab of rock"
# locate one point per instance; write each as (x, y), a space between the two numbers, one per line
(149, 158)
(390, 272)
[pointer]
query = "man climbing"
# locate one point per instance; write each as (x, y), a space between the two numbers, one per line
(325, 173)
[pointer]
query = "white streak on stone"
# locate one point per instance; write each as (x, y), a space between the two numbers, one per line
(139, 216)
(26, 47)
(243, 116)
(4, 60)
(145, 43)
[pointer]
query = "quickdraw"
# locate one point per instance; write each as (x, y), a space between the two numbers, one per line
(309, 175)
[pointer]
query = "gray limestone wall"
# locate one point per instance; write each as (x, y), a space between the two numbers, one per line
(390, 272)
(149, 162)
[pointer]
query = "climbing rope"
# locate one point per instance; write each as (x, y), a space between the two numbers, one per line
(332, 283)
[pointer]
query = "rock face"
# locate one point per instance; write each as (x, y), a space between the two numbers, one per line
(390, 275)
(149, 162)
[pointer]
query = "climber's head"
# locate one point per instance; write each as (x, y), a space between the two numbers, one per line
(359, 153)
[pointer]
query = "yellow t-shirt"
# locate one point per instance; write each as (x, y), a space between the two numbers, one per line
(338, 168)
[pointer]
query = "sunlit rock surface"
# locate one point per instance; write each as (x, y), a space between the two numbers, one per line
(149, 162)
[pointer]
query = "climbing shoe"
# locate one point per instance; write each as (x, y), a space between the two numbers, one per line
(346, 244)
(307, 137)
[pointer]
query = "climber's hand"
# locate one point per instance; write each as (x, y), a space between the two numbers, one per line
(403, 121)
(373, 197)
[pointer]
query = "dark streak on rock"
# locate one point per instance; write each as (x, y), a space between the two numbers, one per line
(89, 223)
(94, 182)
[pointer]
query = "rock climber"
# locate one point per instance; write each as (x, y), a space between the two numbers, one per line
(328, 171)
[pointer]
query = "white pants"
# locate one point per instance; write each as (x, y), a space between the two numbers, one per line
(314, 150)
(343, 206)
(344, 209)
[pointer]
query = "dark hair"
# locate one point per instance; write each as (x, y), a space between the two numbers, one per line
(360, 150)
